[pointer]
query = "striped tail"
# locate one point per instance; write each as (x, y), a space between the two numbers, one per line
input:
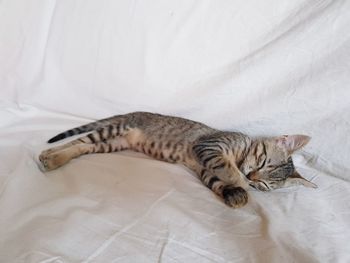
(78, 130)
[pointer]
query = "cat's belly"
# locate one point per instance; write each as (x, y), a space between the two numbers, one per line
(172, 149)
(160, 152)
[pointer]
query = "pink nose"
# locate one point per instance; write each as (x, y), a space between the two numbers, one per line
(253, 176)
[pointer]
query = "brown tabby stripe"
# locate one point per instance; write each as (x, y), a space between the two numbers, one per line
(91, 137)
(222, 164)
(100, 134)
(110, 148)
(212, 180)
(118, 129)
(110, 131)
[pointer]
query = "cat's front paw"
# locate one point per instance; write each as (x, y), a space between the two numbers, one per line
(235, 196)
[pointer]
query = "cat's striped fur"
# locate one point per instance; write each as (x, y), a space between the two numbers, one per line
(226, 162)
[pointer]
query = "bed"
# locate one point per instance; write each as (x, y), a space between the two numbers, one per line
(264, 68)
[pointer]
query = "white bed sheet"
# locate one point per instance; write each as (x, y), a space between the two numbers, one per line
(259, 67)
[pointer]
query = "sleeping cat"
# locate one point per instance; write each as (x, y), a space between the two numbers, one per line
(226, 162)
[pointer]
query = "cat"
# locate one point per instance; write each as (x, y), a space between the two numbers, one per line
(226, 162)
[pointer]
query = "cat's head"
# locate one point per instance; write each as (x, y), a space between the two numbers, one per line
(269, 164)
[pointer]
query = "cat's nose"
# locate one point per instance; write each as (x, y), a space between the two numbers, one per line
(249, 176)
(253, 176)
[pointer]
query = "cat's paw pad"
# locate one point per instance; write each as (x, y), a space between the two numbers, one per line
(51, 161)
(43, 156)
(235, 196)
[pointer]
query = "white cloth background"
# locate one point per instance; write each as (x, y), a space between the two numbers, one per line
(261, 67)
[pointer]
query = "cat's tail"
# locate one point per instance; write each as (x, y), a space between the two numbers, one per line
(81, 129)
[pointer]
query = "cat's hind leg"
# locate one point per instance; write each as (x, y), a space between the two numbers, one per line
(102, 134)
(62, 155)
(58, 148)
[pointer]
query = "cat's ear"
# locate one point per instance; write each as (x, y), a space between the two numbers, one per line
(297, 179)
(291, 143)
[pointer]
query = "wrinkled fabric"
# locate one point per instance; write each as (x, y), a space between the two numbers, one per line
(264, 68)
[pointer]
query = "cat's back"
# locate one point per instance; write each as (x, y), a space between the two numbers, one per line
(160, 126)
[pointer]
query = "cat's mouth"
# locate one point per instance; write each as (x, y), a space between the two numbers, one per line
(260, 185)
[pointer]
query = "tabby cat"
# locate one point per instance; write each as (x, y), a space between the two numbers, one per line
(226, 162)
